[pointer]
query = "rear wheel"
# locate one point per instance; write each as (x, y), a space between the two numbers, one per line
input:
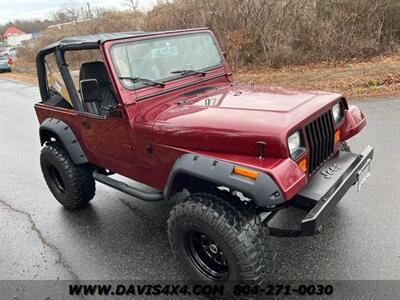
(72, 185)
(218, 242)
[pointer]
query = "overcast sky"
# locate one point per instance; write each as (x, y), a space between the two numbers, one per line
(41, 9)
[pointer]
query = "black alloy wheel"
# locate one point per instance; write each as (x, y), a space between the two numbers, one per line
(206, 255)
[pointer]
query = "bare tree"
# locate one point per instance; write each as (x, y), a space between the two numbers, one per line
(72, 10)
(133, 4)
(134, 7)
(259, 32)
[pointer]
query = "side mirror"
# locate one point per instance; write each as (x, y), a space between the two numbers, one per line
(224, 54)
(90, 90)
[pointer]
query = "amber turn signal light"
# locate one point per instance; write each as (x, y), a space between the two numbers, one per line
(303, 165)
(337, 136)
(245, 172)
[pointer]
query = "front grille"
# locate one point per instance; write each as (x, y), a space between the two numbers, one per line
(320, 135)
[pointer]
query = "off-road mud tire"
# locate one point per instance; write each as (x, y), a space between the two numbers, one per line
(237, 231)
(72, 185)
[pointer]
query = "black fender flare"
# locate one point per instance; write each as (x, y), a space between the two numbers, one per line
(52, 127)
(263, 191)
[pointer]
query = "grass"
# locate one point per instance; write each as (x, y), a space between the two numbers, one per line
(378, 77)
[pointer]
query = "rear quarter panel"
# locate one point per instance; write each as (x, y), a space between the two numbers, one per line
(70, 117)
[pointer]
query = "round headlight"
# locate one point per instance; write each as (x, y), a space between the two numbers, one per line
(295, 145)
(337, 112)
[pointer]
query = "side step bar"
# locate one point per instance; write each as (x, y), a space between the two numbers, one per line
(130, 190)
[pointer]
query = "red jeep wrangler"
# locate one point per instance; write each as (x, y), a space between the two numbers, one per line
(161, 108)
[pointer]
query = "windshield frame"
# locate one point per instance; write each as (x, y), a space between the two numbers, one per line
(173, 76)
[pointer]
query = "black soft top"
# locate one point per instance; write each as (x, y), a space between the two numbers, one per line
(89, 41)
(93, 41)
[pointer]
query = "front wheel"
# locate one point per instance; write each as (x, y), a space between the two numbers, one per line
(72, 185)
(218, 242)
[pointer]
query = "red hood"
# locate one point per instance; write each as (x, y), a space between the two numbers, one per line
(233, 120)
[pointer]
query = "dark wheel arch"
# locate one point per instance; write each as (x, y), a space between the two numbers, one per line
(52, 128)
(263, 191)
(72, 185)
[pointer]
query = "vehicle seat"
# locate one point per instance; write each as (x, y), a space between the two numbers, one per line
(58, 101)
(97, 70)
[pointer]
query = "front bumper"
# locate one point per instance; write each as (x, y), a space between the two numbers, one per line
(328, 186)
(5, 68)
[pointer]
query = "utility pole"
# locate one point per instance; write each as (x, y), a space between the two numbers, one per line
(89, 12)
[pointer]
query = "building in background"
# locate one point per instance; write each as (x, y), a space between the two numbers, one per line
(14, 36)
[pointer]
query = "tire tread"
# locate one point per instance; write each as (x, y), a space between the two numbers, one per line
(239, 226)
(79, 180)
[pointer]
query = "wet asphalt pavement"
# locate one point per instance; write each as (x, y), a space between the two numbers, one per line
(120, 237)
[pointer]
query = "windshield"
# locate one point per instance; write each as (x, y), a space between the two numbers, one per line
(163, 59)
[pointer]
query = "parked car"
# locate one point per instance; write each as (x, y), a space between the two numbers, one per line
(12, 52)
(5, 63)
(162, 109)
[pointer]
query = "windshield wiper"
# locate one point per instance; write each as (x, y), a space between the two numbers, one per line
(189, 72)
(144, 81)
